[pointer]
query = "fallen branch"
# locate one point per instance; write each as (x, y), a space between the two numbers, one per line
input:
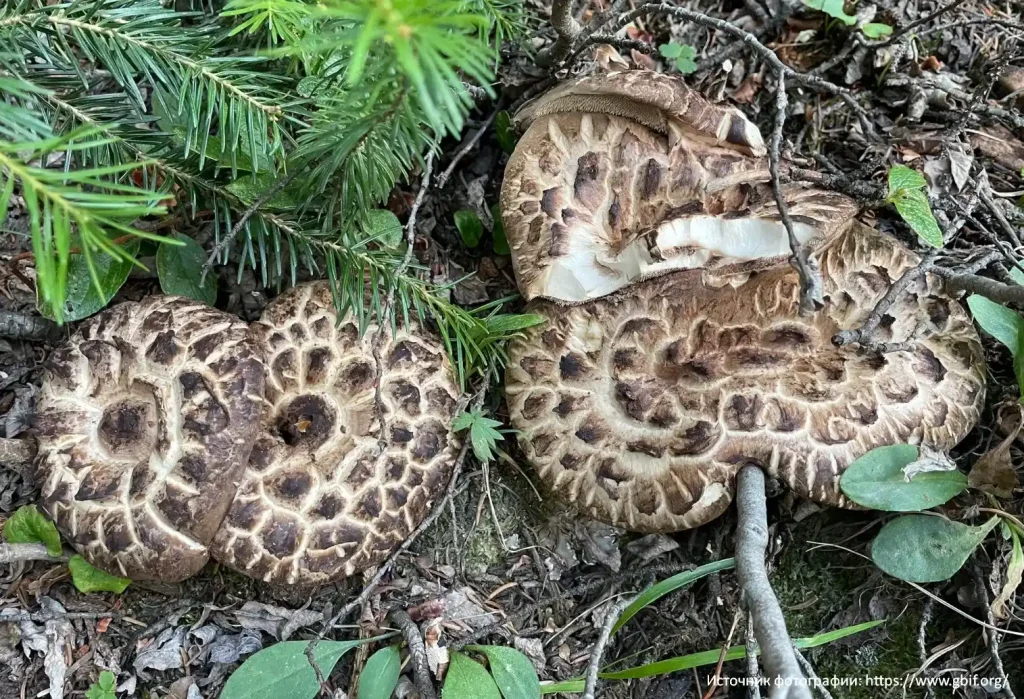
(21, 326)
(12, 553)
(777, 651)
(812, 296)
(614, 609)
(567, 29)
(417, 653)
(862, 335)
(442, 179)
(989, 288)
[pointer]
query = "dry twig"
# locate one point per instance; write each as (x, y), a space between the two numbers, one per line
(594, 667)
(777, 652)
(417, 653)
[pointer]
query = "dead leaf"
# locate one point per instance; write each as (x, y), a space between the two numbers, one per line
(608, 59)
(437, 654)
(931, 64)
(651, 546)
(746, 93)
(163, 653)
(960, 162)
(1014, 573)
(1001, 145)
(532, 648)
(279, 622)
(928, 461)
(303, 425)
(993, 472)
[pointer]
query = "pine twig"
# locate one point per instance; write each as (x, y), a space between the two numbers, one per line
(257, 204)
(777, 650)
(614, 610)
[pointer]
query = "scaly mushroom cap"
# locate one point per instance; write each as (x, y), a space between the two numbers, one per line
(641, 407)
(331, 488)
(146, 419)
(625, 176)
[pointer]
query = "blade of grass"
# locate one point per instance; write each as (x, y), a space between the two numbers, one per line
(657, 591)
(707, 657)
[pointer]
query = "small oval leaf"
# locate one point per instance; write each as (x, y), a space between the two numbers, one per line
(380, 675)
(83, 299)
(30, 526)
(88, 578)
(877, 480)
(513, 672)
(282, 671)
(180, 269)
(923, 548)
(467, 679)
(471, 228)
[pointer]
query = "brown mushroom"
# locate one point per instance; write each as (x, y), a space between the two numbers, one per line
(344, 467)
(145, 421)
(624, 176)
(642, 407)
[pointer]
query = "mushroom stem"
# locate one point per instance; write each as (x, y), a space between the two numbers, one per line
(778, 656)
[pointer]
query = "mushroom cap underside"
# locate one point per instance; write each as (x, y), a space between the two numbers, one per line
(641, 407)
(333, 486)
(593, 202)
(146, 418)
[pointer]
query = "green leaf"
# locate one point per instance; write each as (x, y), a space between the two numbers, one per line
(83, 299)
(998, 321)
(498, 234)
(833, 8)
(670, 50)
(467, 679)
(29, 526)
(380, 675)
(471, 228)
(104, 689)
(383, 227)
(513, 672)
(877, 480)
(876, 30)
(88, 578)
(249, 188)
(903, 177)
(1004, 325)
(282, 671)
(180, 269)
(1017, 274)
(505, 131)
(704, 658)
(913, 207)
(655, 592)
(482, 433)
(923, 548)
(506, 323)
(684, 61)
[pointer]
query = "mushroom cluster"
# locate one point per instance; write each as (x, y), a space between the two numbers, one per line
(674, 353)
(170, 432)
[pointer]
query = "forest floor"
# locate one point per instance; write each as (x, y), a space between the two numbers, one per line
(512, 565)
